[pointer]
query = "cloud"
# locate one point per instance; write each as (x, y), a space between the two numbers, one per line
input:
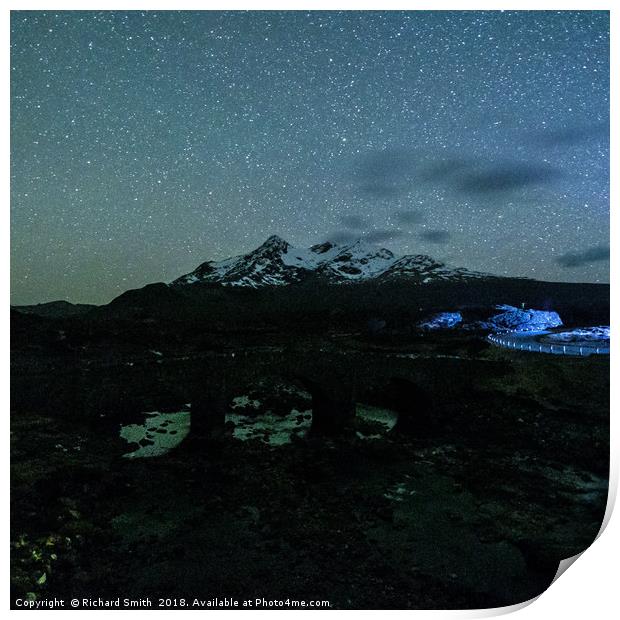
(571, 136)
(387, 163)
(373, 236)
(409, 217)
(586, 257)
(441, 170)
(354, 222)
(435, 236)
(386, 173)
(379, 236)
(380, 190)
(391, 173)
(342, 236)
(505, 178)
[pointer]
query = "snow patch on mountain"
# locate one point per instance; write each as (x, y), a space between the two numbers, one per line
(358, 261)
(277, 263)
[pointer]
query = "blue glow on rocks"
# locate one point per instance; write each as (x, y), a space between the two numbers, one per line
(442, 320)
(516, 319)
(600, 333)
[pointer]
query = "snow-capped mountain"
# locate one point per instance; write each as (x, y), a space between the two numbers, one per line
(277, 263)
(426, 269)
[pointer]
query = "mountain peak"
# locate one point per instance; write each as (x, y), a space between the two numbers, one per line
(277, 263)
(364, 245)
(321, 248)
(275, 241)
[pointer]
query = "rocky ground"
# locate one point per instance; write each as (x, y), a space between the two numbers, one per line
(478, 516)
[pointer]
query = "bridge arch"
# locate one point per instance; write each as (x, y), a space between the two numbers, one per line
(332, 399)
(415, 405)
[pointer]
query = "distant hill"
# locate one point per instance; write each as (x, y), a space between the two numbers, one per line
(55, 309)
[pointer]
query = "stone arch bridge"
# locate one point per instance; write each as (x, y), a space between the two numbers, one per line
(419, 388)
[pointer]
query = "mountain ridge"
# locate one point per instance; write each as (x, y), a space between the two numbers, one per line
(277, 263)
(54, 309)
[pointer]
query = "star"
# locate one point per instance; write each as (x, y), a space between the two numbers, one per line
(220, 128)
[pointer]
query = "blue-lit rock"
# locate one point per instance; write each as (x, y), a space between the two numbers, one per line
(516, 319)
(442, 320)
(601, 333)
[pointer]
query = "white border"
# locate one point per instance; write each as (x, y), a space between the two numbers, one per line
(589, 587)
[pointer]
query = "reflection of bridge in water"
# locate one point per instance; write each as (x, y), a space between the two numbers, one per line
(535, 343)
(421, 388)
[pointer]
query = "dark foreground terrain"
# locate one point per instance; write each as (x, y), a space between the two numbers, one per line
(495, 470)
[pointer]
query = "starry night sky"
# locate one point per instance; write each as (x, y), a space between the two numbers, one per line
(143, 143)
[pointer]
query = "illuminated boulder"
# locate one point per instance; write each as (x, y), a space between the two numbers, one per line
(516, 319)
(442, 320)
(600, 333)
